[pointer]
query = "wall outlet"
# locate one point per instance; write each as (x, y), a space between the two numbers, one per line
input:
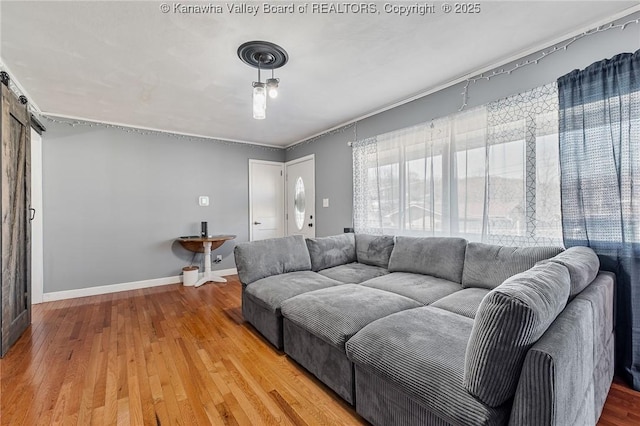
(219, 258)
(325, 202)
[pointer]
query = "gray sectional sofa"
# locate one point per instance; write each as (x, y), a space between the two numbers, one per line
(438, 331)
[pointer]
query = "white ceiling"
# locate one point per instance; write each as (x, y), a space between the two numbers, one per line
(128, 63)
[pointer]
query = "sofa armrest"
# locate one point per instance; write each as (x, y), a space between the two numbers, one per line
(556, 377)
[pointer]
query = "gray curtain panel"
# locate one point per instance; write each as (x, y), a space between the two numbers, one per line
(600, 171)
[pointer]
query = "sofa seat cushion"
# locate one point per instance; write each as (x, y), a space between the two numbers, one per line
(421, 288)
(353, 273)
(260, 259)
(327, 252)
(421, 352)
(488, 265)
(374, 249)
(510, 319)
(335, 314)
(439, 257)
(270, 292)
(464, 302)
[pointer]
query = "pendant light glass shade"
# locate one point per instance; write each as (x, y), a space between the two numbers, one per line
(272, 87)
(259, 101)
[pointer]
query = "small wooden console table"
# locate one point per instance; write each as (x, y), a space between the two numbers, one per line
(205, 245)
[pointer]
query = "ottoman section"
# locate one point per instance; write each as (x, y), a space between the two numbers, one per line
(318, 324)
(409, 370)
(261, 300)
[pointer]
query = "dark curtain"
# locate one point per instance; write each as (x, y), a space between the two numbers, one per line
(600, 182)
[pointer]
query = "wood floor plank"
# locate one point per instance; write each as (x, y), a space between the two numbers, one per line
(97, 417)
(89, 384)
(174, 355)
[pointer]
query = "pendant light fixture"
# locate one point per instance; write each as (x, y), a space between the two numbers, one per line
(263, 55)
(272, 86)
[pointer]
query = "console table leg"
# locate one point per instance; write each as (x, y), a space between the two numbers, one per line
(208, 274)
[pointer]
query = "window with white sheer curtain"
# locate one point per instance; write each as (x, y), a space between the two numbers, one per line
(489, 174)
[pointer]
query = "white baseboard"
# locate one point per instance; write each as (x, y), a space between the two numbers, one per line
(114, 288)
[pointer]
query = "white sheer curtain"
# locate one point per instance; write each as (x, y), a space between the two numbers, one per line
(488, 174)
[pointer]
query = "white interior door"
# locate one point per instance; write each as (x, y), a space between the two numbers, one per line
(301, 197)
(266, 200)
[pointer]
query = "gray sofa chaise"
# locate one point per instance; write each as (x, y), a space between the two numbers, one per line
(438, 331)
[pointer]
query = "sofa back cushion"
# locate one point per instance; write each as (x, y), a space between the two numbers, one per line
(260, 259)
(510, 319)
(374, 250)
(583, 265)
(327, 252)
(439, 257)
(487, 265)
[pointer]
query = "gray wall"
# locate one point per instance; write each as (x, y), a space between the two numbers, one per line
(115, 201)
(334, 167)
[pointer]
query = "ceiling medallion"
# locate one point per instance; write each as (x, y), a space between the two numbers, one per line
(263, 55)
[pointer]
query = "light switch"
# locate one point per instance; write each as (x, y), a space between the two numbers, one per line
(325, 202)
(203, 200)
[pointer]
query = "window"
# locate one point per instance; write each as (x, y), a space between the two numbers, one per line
(489, 174)
(299, 203)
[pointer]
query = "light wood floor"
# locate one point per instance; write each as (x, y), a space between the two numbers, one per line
(172, 355)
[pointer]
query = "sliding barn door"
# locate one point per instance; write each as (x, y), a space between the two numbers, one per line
(15, 253)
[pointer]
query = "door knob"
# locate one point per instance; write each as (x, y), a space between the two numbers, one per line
(257, 223)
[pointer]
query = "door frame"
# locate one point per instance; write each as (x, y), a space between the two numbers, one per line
(286, 192)
(272, 163)
(301, 160)
(37, 240)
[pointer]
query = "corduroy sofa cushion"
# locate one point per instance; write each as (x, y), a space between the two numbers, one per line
(337, 313)
(439, 257)
(327, 252)
(510, 319)
(374, 250)
(464, 302)
(421, 288)
(420, 352)
(260, 259)
(270, 292)
(488, 265)
(583, 265)
(353, 273)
